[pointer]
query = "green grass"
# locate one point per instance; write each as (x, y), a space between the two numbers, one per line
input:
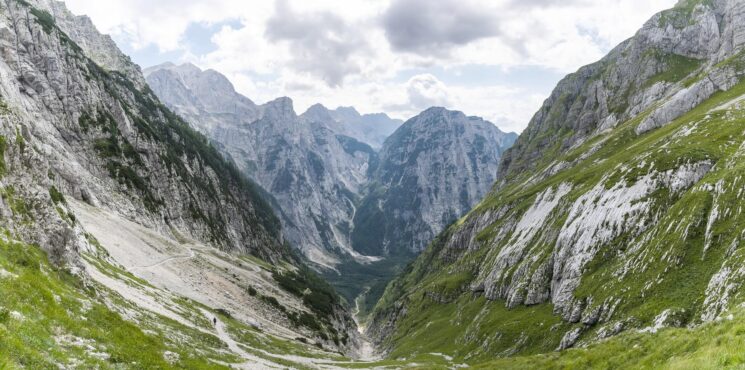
(474, 329)
(711, 346)
(56, 196)
(44, 311)
(677, 68)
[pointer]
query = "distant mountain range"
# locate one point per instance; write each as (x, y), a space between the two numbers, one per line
(339, 177)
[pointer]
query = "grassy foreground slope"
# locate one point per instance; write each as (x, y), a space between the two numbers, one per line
(50, 318)
(711, 346)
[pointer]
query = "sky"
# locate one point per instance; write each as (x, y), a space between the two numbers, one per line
(498, 59)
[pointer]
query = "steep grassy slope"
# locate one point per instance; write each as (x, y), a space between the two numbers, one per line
(632, 225)
(711, 346)
(671, 264)
(116, 320)
(50, 318)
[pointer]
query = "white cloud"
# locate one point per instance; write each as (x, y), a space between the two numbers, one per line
(321, 43)
(364, 53)
(426, 91)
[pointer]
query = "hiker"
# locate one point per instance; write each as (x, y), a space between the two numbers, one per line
(214, 321)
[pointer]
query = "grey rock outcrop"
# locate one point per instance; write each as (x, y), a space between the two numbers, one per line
(98, 47)
(371, 129)
(206, 99)
(432, 171)
(312, 170)
(648, 69)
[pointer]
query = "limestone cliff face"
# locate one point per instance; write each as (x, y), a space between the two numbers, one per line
(98, 47)
(206, 99)
(431, 171)
(371, 129)
(78, 117)
(313, 171)
(620, 207)
(634, 77)
(78, 124)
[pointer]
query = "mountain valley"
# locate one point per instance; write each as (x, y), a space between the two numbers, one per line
(159, 219)
(332, 188)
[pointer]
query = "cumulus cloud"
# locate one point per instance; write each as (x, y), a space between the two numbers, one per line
(426, 91)
(434, 27)
(421, 92)
(321, 43)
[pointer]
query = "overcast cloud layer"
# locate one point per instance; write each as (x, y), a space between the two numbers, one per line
(495, 59)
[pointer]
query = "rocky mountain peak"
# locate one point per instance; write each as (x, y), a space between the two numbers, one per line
(188, 68)
(378, 117)
(347, 114)
(201, 96)
(436, 166)
(441, 115)
(659, 64)
(99, 47)
(319, 113)
(280, 109)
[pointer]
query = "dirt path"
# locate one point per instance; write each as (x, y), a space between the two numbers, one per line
(728, 104)
(191, 255)
(252, 362)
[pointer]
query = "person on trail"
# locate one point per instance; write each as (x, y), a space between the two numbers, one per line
(214, 321)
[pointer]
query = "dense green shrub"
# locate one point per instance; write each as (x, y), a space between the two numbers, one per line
(44, 19)
(57, 197)
(317, 294)
(273, 302)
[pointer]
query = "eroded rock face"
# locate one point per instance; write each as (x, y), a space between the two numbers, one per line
(314, 172)
(690, 38)
(99, 47)
(78, 121)
(204, 98)
(371, 129)
(431, 171)
(77, 117)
